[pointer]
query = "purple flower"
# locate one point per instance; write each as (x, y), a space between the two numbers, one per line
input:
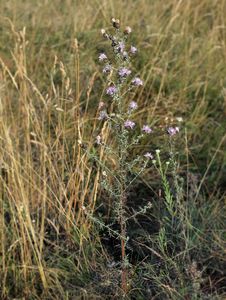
(129, 124)
(133, 105)
(107, 69)
(146, 129)
(148, 155)
(172, 130)
(124, 72)
(120, 47)
(102, 57)
(111, 90)
(133, 50)
(137, 81)
(103, 115)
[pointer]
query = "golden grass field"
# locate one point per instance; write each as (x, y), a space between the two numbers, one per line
(50, 87)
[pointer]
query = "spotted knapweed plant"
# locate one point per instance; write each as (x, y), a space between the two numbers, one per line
(116, 114)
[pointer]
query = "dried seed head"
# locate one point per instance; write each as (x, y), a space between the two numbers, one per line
(125, 55)
(127, 30)
(115, 23)
(104, 34)
(103, 115)
(179, 119)
(98, 140)
(104, 173)
(101, 105)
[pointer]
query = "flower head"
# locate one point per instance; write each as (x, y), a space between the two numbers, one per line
(107, 69)
(133, 50)
(172, 130)
(111, 90)
(137, 81)
(120, 47)
(179, 119)
(115, 23)
(146, 129)
(98, 140)
(102, 57)
(103, 115)
(133, 105)
(129, 124)
(104, 34)
(127, 30)
(124, 72)
(102, 31)
(101, 105)
(148, 155)
(125, 55)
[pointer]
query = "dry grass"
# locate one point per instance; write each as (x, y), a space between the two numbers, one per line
(50, 86)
